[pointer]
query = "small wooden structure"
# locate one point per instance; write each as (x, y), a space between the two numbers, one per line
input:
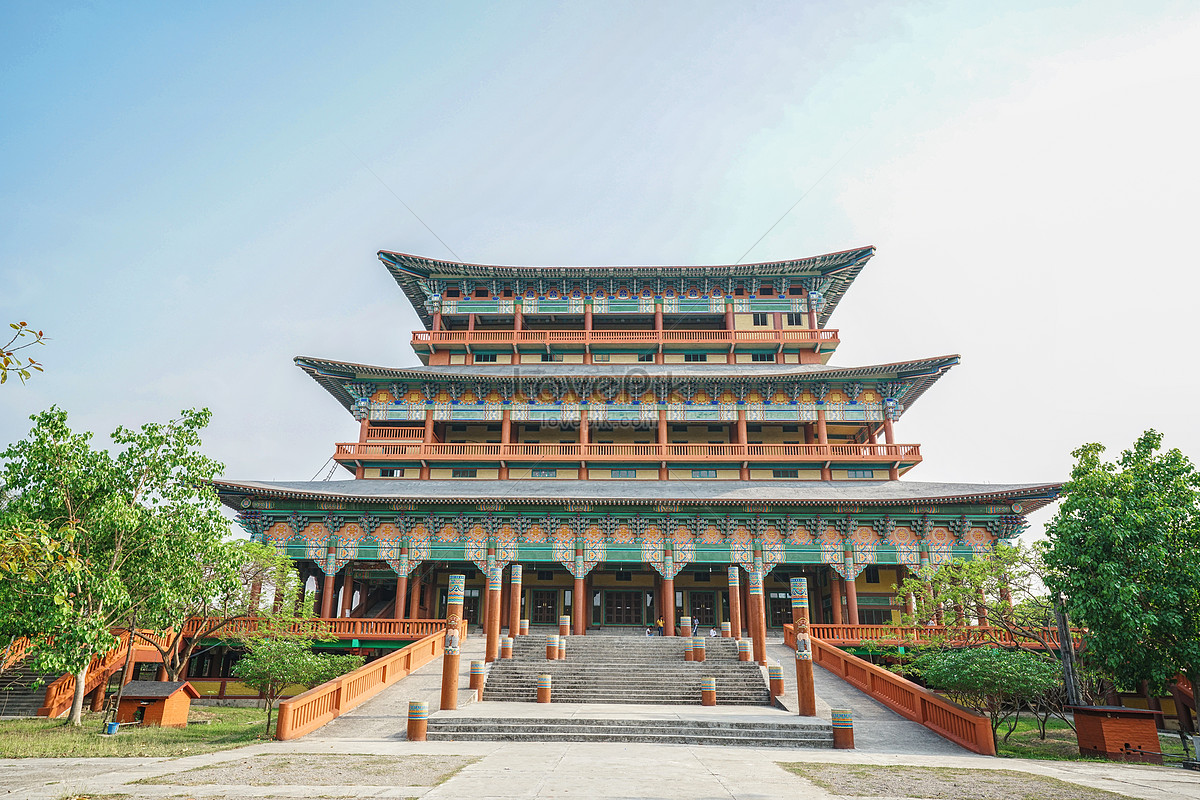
(1118, 733)
(161, 703)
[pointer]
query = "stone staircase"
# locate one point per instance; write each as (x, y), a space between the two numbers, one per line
(794, 734)
(626, 669)
(18, 698)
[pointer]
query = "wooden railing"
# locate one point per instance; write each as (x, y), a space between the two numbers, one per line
(949, 720)
(431, 340)
(306, 712)
(416, 434)
(14, 652)
(816, 453)
(61, 693)
(344, 628)
(900, 636)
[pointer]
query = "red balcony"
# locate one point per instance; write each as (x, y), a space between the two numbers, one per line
(789, 340)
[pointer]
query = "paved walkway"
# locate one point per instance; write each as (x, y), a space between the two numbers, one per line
(511, 770)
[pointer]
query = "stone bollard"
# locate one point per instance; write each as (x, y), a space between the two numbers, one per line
(418, 720)
(551, 647)
(506, 647)
(726, 630)
(564, 625)
(698, 648)
(687, 650)
(562, 648)
(523, 627)
(543, 689)
(708, 691)
(743, 650)
(843, 729)
(775, 673)
(685, 626)
(477, 679)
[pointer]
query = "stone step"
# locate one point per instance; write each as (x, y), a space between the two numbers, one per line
(685, 732)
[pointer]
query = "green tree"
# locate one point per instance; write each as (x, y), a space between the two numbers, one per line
(141, 524)
(239, 582)
(991, 680)
(1123, 549)
(272, 665)
(19, 363)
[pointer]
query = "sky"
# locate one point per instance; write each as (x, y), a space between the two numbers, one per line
(193, 194)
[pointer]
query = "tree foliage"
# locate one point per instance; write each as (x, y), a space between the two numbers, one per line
(1123, 548)
(991, 680)
(141, 524)
(273, 665)
(11, 360)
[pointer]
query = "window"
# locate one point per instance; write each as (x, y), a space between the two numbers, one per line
(452, 293)
(695, 356)
(766, 291)
(543, 473)
(754, 428)
(860, 473)
(551, 356)
(624, 473)
(739, 291)
(791, 428)
(387, 472)
(874, 616)
(458, 427)
(545, 575)
(702, 577)
(645, 357)
(599, 358)
(785, 473)
(493, 428)
(760, 320)
(506, 293)
(624, 576)
(797, 319)
(469, 472)
(485, 358)
(704, 473)
(796, 291)
(481, 292)
(679, 428)
(716, 428)
(753, 357)
(872, 573)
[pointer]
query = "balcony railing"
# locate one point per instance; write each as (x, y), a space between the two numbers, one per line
(344, 628)
(817, 453)
(901, 636)
(802, 338)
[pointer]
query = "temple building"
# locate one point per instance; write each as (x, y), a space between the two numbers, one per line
(634, 438)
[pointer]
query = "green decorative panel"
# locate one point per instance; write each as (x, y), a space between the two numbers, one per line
(706, 555)
(447, 552)
(626, 555)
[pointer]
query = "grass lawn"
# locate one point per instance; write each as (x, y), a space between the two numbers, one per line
(210, 728)
(1060, 743)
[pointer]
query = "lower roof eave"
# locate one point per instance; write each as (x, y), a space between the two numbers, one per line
(618, 492)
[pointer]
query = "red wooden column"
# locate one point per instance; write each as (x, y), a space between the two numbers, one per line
(851, 590)
(663, 469)
(668, 590)
(735, 604)
(505, 440)
(823, 440)
(401, 586)
(744, 470)
(757, 619)
(427, 439)
(514, 598)
(730, 356)
(583, 443)
(505, 588)
(414, 604)
(813, 297)
(805, 691)
(486, 599)
(327, 586)
(658, 326)
(745, 606)
(835, 591)
(347, 589)
(578, 606)
(889, 435)
(587, 326)
(455, 593)
(492, 647)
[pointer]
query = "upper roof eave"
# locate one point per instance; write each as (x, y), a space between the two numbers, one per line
(843, 267)
(922, 373)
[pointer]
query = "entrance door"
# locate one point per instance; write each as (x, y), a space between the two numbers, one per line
(623, 608)
(779, 609)
(704, 606)
(545, 607)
